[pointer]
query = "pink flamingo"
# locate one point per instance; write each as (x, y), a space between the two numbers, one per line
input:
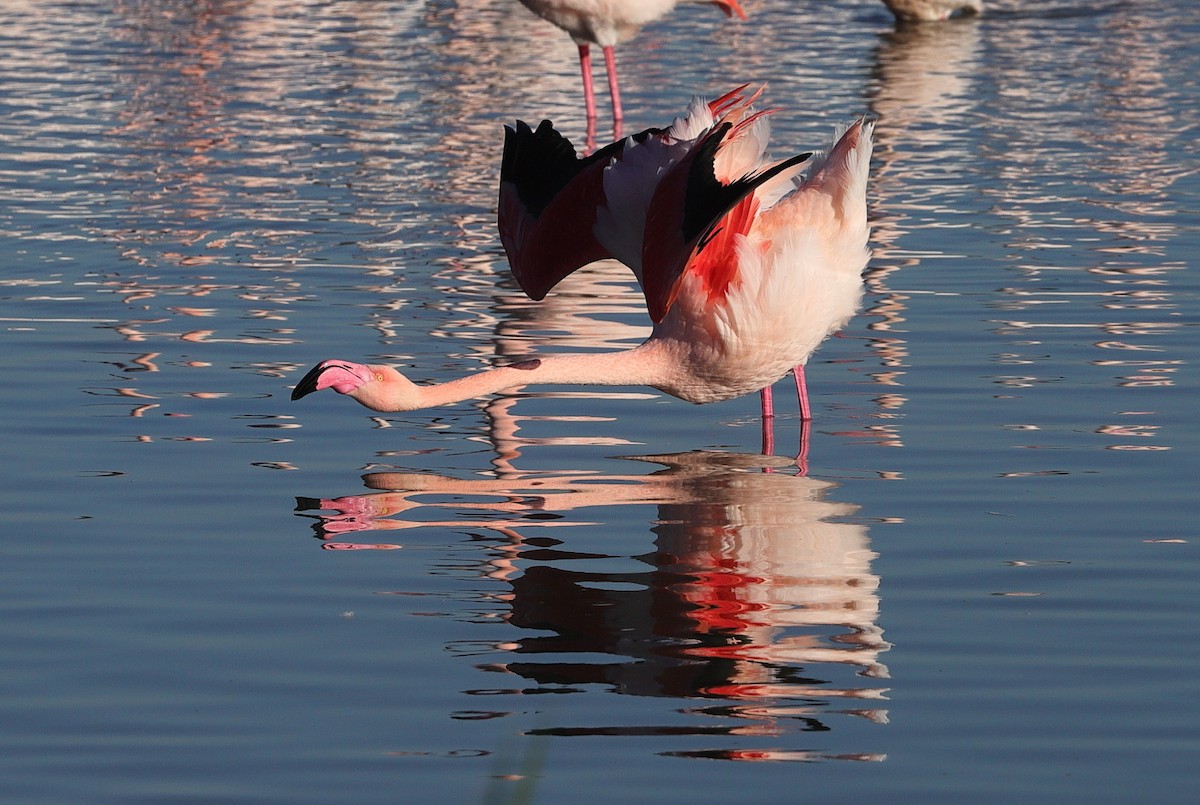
(932, 10)
(607, 23)
(745, 265)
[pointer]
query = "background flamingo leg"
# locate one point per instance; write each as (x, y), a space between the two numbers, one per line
(585, 68)
(614, 89)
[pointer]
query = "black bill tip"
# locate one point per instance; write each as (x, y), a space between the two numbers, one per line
(308, 383)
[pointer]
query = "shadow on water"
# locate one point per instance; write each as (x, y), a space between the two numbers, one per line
(751, 591)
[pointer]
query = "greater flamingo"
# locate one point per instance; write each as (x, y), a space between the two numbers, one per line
(745, 266)
(607, 23)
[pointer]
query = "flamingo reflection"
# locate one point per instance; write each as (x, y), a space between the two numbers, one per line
(755, 593)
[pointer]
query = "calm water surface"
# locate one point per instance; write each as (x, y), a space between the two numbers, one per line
(984, 590)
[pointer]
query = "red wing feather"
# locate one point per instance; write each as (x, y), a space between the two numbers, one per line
(544, 249)
(692, 212)
(716, 261)
(547, 204)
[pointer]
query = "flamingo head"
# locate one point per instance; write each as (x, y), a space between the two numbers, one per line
(378, 387)
(343, 377)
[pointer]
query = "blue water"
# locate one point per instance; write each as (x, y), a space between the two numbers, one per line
(983, 590)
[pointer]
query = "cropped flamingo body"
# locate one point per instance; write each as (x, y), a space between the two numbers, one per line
(932, 10)
(746, 265)
(607, 23)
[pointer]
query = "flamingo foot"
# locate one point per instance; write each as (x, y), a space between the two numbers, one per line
(768, 425)
(768, 422)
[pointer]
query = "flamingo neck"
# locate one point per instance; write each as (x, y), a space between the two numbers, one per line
(641, 366)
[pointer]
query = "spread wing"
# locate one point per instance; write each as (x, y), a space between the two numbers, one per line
(548, 202)
(693, 220)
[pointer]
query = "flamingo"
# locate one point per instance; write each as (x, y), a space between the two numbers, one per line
(931, 10)
(746, 265)
(607, 23)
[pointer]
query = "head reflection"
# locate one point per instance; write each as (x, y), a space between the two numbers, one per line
(750, 593)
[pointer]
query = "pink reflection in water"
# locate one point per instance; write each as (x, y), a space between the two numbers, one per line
(752, 588)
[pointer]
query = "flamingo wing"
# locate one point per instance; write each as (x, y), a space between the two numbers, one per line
(693, 220)
(548, 202)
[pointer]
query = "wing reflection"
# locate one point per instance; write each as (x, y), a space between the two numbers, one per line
(755, 590)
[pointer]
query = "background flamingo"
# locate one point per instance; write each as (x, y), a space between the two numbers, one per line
(745, 266)
(606, 23)
(931, 10)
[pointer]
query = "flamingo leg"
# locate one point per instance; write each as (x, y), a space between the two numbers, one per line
(610, 64)
(768, 422)
(805, 418)
(802, 394)
(589, 95)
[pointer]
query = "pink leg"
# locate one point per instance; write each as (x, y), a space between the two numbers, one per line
(805, 418)
(768, 422)
(610, 63)
(589, 96)
(802, 394)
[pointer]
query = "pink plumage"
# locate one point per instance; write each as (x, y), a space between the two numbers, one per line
(746, 264)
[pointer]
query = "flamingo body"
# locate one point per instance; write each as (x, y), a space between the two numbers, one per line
(931, 10)
(744, 273)
(746, 264)
(600, 22)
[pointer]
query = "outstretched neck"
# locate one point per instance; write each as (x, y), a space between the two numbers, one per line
(641, 366)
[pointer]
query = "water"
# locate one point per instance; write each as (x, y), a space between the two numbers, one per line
(983, 591)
